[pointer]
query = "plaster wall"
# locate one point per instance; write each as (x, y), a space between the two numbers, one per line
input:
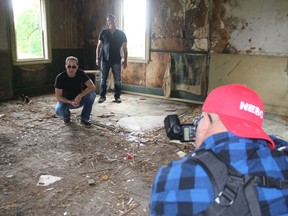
(267, 75)
(257, 27)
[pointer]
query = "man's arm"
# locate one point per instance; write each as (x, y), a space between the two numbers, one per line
(90, 88)
(58, 94)
(98, 52)
(125, 51)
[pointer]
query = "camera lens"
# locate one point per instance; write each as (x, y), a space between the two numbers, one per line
(176, 129)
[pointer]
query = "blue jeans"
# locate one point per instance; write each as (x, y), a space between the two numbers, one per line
(117, 73)
(62, 109)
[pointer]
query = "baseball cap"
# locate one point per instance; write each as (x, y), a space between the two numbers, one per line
(240, 109)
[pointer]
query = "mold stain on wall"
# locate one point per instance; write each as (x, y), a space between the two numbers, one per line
(174, 24)
(176, 27)
(256, 27)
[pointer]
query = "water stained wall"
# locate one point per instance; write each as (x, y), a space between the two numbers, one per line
(179, 25)
(179, 29)
(255, 50)
(256, 27)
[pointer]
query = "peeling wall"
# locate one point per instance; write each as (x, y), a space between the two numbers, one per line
(256, 27)
(179, 25)
(254, 39)
(177, 28)
(156, 69)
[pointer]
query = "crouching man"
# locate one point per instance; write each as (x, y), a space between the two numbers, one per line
(70, 94)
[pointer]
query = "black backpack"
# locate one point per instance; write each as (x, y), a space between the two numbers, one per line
(236, 193)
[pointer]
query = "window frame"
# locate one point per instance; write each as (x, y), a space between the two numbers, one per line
(120, 16)
(47, 53)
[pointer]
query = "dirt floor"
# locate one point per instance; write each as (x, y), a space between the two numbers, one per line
(97, 175)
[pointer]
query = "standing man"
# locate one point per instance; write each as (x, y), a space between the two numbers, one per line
(109, 55)
(230, 127)
(70, 94)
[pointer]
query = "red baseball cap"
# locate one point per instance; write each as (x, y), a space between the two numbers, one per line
(240, 109)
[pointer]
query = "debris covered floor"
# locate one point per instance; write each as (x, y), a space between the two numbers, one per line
(105, 170)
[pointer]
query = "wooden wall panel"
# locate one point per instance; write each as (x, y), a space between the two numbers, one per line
(66, 23)
(6, 88)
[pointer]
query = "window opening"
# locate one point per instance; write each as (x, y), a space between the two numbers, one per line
(135, 26)
(30, 38)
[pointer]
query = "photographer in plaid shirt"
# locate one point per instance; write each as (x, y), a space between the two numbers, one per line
(231, 126)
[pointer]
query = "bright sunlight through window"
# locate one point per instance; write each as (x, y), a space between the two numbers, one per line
(134, 18)
(30, 30)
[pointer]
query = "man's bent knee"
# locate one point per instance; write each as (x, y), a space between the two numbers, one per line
(59, 111)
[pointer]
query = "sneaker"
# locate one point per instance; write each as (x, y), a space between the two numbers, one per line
(101, 99)
(66, 120)
(86, 123)
(117, 100)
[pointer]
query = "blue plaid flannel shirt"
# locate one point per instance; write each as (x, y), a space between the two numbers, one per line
(184, 188)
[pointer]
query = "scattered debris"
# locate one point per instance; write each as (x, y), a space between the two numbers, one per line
(111, 160)
(46, 180)
(128, 203)
(102, 125)
(170, 110)
(183, 145)
(181, 154)
(24, 98)
(49, 189)
(129, 156)
(35, 139)
(129, 210)
(96, 171)
(106, 115)
(104, 177)
(91, 181)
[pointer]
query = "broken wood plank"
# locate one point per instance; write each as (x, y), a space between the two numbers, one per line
(129, 210)
(102, 125)
(82, 173)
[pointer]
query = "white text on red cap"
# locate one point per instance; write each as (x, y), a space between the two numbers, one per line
(252, 109)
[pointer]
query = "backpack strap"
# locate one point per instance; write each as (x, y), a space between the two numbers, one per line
(265, 181)
(227, 182)
(251, 195)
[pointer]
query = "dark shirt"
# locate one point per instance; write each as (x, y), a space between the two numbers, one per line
(184, 188)
(112, 44)
(71, 86)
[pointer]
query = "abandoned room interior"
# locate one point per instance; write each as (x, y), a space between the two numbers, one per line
(178, 51)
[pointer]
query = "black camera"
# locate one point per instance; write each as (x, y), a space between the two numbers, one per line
(183, 132)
